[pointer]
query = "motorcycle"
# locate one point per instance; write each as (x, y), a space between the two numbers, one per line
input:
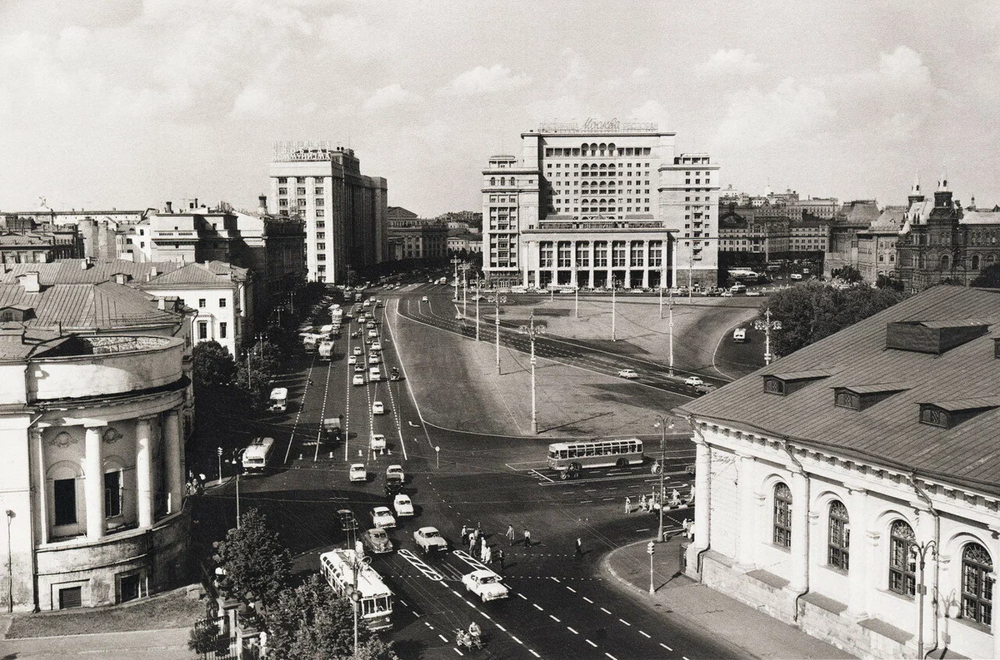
(467, 640)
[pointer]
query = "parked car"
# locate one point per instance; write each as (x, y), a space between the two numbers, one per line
(740, 335)
(358, 472)
(485, 584)
(628, 373)
(403, 505)
(382, 517)
(429, 538)
(377, 541)
(694, 381)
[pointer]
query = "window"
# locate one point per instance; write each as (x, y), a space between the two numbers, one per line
(223, 328)
(112, 494)
(282, 179)
(222, 302)
(202, 330)
(839, 537)
(201, 303)
(70, 597)
(64, 491)
(319, 191)
(977, 586)
(902, 563)
(319, 214)
(782, 516)
(300, 191)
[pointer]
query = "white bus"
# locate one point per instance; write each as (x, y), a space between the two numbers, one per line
(256, 455)
(375, 604)
(568, 458)
(278, 399)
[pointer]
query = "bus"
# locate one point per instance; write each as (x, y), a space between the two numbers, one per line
(375, 603)
(568, 458)
(256, 455)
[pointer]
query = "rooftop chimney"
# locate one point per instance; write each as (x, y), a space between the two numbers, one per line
(84, 264)
(30, 282)
(152, 271)
(262, 204)
(170, 207)
(161, 303)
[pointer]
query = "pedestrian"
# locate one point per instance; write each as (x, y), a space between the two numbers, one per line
(472, 544)
(479, 528)
(527, 538)
(510, 536)
(500, 557)
(642, 503)
(465, 534)
(482, 550)
(579, 547)
(628, 504)
(488, 559)
(675, 497)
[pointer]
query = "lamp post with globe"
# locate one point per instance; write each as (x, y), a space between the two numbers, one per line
(532, 331)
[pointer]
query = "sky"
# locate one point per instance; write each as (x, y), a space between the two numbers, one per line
(129, 103)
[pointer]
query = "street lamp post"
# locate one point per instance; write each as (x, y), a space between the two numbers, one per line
(919, 551)
(236, 454)
(670, 328)
(650, 550)
(532, 331)
(614, 289)
(663, 423)
(455, 262)
(478, 283)
(498, 300)
(767, 325)
(576, 302)
(218, 453)
(10, 564)
(465, 290)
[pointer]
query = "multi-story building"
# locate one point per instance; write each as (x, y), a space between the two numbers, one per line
(104, 233)
(471, 243)
(596, 206)
(413, 237)
(851, 488)
(42, 244)
(344, 211)
(96, 393)
(877, 244)
(854, 217)
(810, 234)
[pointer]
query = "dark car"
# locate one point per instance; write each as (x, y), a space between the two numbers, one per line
(347, 520)
(393, 485)
(705, 388)
(377, 541)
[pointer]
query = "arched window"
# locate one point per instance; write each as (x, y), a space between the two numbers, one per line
(783, 516)
(839, 537)
(977, 587)
(902, 563)
(991, 259)
(513, 181)
(944, 262)
(493, 181)
(503, 181)
(975, 262)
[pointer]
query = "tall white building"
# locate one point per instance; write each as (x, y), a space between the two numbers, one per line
(602, 203)
(344, 212)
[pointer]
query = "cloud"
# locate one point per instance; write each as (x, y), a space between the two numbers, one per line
(904, 67)
(481, 80)
(355, 39)
(734, 61)
(640, 73)
(651, 110)
(789, 112)
(391, 96)
(256, 101)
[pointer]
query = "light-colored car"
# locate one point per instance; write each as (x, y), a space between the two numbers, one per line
(485, 584)
(424, 299)
(374, 374)
(359, 379)
(740, 335)
(694, 381)
(755, 293)
(373, 333)
(377, 541)
(358, 350)
(403, 505)
(378, 442)
(358, 472)
(429, 538)
(375, 347)
(382, 517)
(378, 408)
(628, 373)
(373, 358)
(395, 471)
(352, 359)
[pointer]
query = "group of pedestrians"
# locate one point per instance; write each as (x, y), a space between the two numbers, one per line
(476, 541)
(652, 503)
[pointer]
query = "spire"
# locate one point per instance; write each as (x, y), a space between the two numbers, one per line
(943, 181)
(915, 190)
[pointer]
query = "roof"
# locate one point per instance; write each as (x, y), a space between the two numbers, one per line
(72, 271)
(889, 432)
(980, 218)
(877, 388)
(859, 212)
(208, 273)
(890, 221)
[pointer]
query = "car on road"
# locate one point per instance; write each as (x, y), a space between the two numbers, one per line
(756, 293)
(726, 294)
(705, 388)
(357, 472)
(359, 368)
(796, 276)
(403, 505)
(628, 373)
(352, 359)
(347, 520)
(378, 408)
(485, 584)
(373, 333)
(358, 351)
(694, 381)
(377, 442)
(359, 379)
(377, 541)
(395, 470)
(374, 374)
(394, 374)
(382, 517)
(740, 335)
(424, 299)
(567, 291)
(429, 538)
(376, 346)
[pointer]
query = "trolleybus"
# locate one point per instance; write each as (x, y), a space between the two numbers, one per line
(347, 572)
(568, 458)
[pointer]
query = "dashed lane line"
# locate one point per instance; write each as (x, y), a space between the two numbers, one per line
(443, 638)
(295, 424)
(517, 640)
(611, 656)
(322, 412)
(591, 643)
(665, 646)
(572, 631)
(588, 600)
(501, 627)
(605, 611)
(551, 616)
(625, 622)
(538, 607)
(571, 588)
(459, 652)
(522, 596)
(644, 635)
(532, 651)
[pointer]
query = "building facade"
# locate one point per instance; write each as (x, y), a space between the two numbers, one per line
(853, 218)
(344, 211)
(94, 401)
(105, 233)
(605, 204)
(838, 483)
(413, 237)
(877, 244)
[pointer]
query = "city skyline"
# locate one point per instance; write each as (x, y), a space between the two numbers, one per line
(128, 104)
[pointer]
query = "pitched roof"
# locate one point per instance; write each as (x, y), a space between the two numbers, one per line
(888, 432)
(980, 218)
(72, 271)
(210, 273)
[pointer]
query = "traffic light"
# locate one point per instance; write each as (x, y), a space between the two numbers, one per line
(649, 548)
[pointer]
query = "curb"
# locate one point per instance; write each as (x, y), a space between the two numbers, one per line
(606, 565)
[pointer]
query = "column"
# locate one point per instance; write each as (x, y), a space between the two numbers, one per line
(858, 577)
(645, 264)
(35, 438)
(524, 262)
(800, 532)
(702, 493)
(93, 483)
(745, 513)
(172, 459)
(536, 247)
(144, 472)
(590, 261)
(673, 262)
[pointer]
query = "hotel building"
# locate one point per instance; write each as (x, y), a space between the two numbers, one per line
(600, 204)
(344, 212)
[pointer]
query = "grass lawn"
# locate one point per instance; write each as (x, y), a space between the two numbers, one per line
(170, 610)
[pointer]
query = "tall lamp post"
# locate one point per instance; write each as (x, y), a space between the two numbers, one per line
(10, 564)
(497, 299)
(455, 261)
(479, 283)
(237, 453)
(767, 325)
(663, 424)
(532, 331)
(614, 289)
(919, 552)
(359, 564)
(670, 325)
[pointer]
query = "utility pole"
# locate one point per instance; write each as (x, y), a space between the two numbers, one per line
(478, 282)
(614, 289)
(465, 290)
(670, 327)
(532, 331)
(662, 423)
(576, 300)
(767, 325)
(455, 262)
(498, 300)
(919, 551)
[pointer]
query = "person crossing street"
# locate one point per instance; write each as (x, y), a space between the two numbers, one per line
(527, 538)
(579, 547)
(510, 536)
(628, 504)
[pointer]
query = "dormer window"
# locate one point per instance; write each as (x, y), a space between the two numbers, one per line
(949, 414)
(860, 397)
(785, 383)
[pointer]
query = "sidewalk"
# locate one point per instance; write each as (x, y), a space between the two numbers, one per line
(707, 610)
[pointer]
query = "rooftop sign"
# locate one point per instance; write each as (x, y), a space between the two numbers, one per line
(594, 125)
(306, 151)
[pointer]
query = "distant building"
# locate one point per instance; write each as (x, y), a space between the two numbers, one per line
(344, 211)
(853, 218)
(877, 244)
(413, 237)
(771, 231)
(104, 232)
(95, 407)
(597, 204)
(468, 242)
(856, 481)
(41, 244)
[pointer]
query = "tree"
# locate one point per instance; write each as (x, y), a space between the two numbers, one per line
(255, 563)
(258, 368)
(886, 282)
(988, 277)
(813, 311)
(206, 638)
(312, 622)
(849, 274)
(213, 365)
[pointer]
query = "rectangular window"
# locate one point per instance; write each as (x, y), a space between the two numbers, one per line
(839, 538)
(301, 203)
(321, 256)
(319, 201)
(282, 179)
(638, 255)
(112, 494)
(70, 598)
(321, 246)
(300, 191)
(565, 255)
(782, 516)
(545, 256)
(319, 191)
(201, 303)
(618, 254)
(282, 191)
(222, 302)
(319, 214)
(223, 330)
(601, 254)
(64, 494)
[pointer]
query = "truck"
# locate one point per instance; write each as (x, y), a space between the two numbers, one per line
(309, 343)
(332, 427)
(279, 399)
(337, 314)
(326, 350)
(256, 455)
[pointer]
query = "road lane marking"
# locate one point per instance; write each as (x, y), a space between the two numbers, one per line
(517, 640)
(611, 656)
(625, 622)
(428, 625)
(588, 600)
(554, 579)
(534, 654)
(586, 501)
(443, 638)
(665, 646)
(486, 616)
(295, 424)
(404, 602)
(427, 571)
(571, 588)
(522, 596)
(572, 631)
(605, 611)
(551, 616)
(591, 643)
(501, 627)
(538, 607)
(644, 635)
(459, 652)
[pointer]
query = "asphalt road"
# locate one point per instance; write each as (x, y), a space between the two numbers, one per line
(559, 605)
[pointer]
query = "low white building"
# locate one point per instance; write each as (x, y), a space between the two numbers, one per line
(834, 483)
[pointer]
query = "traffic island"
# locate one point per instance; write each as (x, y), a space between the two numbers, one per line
(705, 611)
